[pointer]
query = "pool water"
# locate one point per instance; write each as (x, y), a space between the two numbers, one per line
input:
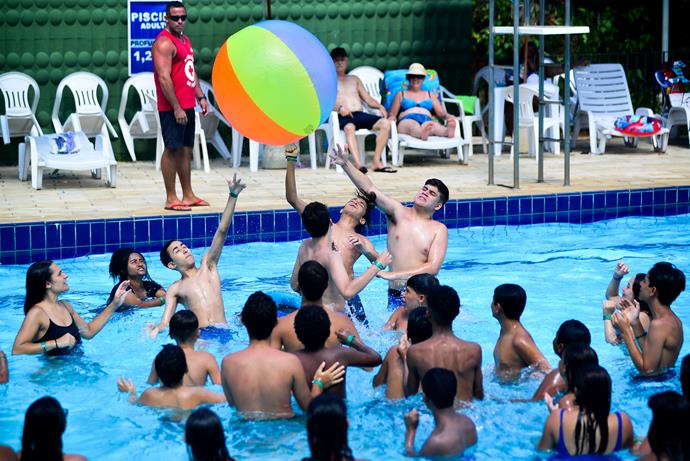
(564, 268)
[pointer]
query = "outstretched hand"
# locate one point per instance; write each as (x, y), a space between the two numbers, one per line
(340, 154)
(332, 376)
(621, 270)
(153, 330)
(125, 385)
(412, 419)
(548, 400)
(121, 293)
(235, 185)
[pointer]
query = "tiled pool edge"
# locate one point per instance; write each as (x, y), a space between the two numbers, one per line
(21, 243)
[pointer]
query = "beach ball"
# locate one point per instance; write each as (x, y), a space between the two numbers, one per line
(274, 81)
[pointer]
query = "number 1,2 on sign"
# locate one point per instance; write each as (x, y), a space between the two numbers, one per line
(142, 56)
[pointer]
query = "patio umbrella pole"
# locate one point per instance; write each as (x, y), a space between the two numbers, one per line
(516, 94)
(492, 84)
(566, 93)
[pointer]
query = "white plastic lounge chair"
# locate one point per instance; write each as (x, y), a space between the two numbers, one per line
(19, 118)
(603, 94)
(679, 114)
(144, 123)
(40, 155)
(213, 119)
(527, 118)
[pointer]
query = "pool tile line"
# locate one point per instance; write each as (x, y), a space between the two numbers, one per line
(21, 243)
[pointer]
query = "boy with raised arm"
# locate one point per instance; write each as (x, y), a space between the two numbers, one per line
(345, 233)
(199, 288)
(515, 349)
(656, 350)
(416, 241)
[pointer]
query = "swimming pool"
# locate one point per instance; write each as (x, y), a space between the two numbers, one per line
(563, 267)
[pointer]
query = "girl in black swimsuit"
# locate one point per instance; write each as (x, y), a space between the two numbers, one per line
(129, 264)
(51, 326)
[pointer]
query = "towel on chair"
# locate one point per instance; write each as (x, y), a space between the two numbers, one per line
(64, 143)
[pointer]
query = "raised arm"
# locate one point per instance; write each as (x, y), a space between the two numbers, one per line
(340, 156)
(357, 353)
(350, 287)
(235, 186)
(170, 307)
(290, 184)
(619, 272)
(437, 253)
(91, 329)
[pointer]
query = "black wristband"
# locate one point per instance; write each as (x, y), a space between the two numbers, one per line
(199, 99)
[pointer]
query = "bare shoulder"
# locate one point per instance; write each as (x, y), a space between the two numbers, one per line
(471, 349)
(75, 458)
(164, 45)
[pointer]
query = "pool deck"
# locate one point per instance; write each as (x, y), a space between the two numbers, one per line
(139, 189)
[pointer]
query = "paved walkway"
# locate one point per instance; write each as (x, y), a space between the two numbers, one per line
(140, 188)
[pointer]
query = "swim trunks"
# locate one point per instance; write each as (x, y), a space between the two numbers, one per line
(395, 299)
(175, 135)
(355, 309)
(213, 333)
(359, 120)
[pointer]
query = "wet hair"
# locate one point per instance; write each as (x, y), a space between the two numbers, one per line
(422, 283)
(338, 52)
(668, 280)
(418, 325)
(576, 357)
(119, 262)
(327, 429)
(37, 276)
(593, 398)
(444, 304)
(685, 376)
(644, 307)
(512, 299)
(259, 315)
(669, 433)
(573, 331)
(204, 436)
(439, 386)
(183, 325)
(316, 219)
(312, 279)
(312, 326)
(442, 189)
(164, 255)
(44, 424)
(369, 203)
(171, 365)
(174, 4)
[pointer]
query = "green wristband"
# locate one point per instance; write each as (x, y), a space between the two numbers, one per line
(379, 265)
(349, 340)
(607, 316)
(162, 300)
(641, 336)
(318, 382)
(234, 195)
(290, 158)
(43, 346)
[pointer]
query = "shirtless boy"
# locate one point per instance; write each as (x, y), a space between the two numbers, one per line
(313, 328)
(345, 233)
(320, 247)
(453, 432)
(259, 380)
(414, 296)
(351, 115)
(313, 281)
(445, 350)
(656, 350)
(201, 366)
(171, 367)
(515, 348)
(416, 241)
(199, 288)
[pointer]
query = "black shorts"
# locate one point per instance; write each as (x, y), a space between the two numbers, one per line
(359, 120)
(175, 135)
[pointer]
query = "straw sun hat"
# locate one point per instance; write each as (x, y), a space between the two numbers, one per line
(416, 69)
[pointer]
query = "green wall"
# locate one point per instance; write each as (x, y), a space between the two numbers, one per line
(49, 39)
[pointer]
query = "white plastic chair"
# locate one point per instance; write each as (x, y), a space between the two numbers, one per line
(89, 116)
(19, 118)
(528, 119)
(603, 94)
(144, 123)
(679, 113)
(38, 157)
(213, 119)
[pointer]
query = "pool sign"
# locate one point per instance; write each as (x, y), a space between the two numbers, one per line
(146, 20)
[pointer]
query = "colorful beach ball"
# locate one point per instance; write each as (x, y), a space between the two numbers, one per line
(275, 82)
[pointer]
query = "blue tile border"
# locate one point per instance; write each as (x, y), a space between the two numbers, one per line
(22, 243)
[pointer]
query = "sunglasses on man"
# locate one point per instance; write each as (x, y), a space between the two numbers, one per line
(178, 18)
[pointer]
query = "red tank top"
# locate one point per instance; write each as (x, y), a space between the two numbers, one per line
(181, 72)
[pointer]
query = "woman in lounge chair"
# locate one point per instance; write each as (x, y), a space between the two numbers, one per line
(129, 264)
(414, 109)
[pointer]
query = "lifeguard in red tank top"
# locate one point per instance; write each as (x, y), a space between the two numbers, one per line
(181, 73)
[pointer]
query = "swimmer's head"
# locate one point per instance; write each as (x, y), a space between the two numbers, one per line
(664, 281)
(184, 326)
(41, 277)
(417, 291)
(205, 437)
(171, 365)
(418, 325)
(126, 263)
(510, 299)
(44, 424)
(668, 431)
(175, 255)
(327, 428)
(571, 331)
(593, 397)
(433, 195)
(359, 207)
(575, 358)
(316, 219)
(444, 305)
(259, 315)
(313, 327)
(439, 386)
(631, 291)
(313, 281)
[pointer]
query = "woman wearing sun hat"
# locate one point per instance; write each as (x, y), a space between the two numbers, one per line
(414, 108)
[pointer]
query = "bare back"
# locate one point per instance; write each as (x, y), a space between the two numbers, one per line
(348, 94)
(456, 434)
(284, 333)
(671, 325)
(516, 350)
